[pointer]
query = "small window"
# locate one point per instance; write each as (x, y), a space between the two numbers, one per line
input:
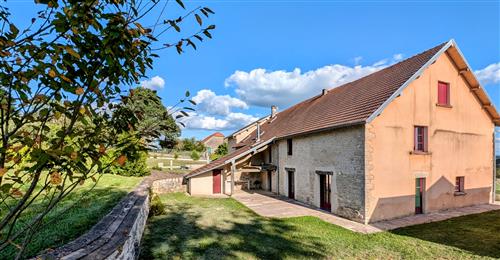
(270, 154)
(289, 146)
(420, 139)
(443, 93)
(459, 184)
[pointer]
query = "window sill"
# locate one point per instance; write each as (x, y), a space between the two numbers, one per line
(444, 105)
(420, 153)
(459, 193)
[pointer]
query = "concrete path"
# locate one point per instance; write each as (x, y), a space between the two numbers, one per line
(270, 205)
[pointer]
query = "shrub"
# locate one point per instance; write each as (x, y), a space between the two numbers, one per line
(157, 207)
(195, 155)
(176, 155)
(156, 167)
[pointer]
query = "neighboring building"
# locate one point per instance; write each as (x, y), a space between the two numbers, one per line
(412, 138)
(213, 141)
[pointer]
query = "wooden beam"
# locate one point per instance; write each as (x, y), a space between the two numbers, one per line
(233, 172)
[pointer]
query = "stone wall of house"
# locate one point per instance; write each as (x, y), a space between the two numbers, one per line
(340, 152)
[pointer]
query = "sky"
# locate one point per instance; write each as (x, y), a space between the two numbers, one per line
(270, 52)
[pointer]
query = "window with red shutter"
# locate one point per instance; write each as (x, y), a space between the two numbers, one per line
(459, 184)
(420, 139)
(443, 94)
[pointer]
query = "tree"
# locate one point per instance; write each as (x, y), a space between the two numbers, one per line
(191, 144)
(155, 121)
(220, 151)
(61, 80)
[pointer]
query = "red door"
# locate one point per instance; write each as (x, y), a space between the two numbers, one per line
(216, 181)
(325, 192)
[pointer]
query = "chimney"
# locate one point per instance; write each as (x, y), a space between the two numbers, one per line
(273, 111)
(324, 92)
(258, 132)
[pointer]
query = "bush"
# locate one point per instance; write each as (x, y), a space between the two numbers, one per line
(156, 167)
(195, 155)
(133, 166)
(157, 207)
(176, 155)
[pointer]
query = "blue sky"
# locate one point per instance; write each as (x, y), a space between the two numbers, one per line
(280, 52)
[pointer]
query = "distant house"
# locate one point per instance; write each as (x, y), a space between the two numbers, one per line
(213, 141)
(412, 138)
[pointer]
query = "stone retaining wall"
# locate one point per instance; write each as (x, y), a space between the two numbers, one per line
(168, 185)
(118, 234)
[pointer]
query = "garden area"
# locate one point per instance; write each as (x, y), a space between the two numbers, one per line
(75, 214)
(193, 227)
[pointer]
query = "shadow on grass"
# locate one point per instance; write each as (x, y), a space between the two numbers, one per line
(181, 234)
(63, 227)
(478, 233)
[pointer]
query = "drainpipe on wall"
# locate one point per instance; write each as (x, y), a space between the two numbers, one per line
(494, 169)
(277, 169)
(233, 171)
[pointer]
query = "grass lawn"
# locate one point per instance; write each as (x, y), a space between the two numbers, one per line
(75, 222)
(224, 228)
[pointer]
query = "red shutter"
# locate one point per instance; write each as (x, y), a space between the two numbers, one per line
(443, 93)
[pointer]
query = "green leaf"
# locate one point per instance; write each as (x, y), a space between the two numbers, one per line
(211, 27)
(192, 102)
(187, 93)
(207, 34)
(208, 10)
(189, 42)
(72, 52)
(198, 19)
(199, 38)
(180, 3)
(14, 29)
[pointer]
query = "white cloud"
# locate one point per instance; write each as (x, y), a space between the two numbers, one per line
(208, 102)
(284, 88)
(357, 60)
(397, 57)
(155, 82)
(232, 121)
(489, 75)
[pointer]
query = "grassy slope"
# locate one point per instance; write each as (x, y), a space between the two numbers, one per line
(223, 228)
(75, 222)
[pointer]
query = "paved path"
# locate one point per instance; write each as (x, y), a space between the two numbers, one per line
(270, 205)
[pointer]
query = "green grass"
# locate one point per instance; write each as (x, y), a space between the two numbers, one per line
(80, 218)
(225, 229)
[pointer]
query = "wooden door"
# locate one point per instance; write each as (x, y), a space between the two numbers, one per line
(291, 185)
(419, 195)
(270, 180)
(325, 192)
(216, 181)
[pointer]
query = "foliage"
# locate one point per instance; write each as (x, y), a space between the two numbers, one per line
(155, 121)
(157, 207)
(219, 152)
(195, 155)
(75, 214)
(207, 228)
(61, 80)
(191, 144)
(130, 161)
(176, 155)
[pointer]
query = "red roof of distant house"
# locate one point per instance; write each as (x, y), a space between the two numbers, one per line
(216, 134)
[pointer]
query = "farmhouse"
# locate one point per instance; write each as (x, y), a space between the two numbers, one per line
(213, 141)
(412, 138)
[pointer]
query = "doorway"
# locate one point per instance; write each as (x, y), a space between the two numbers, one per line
(269, 180)
(216, 188)
(291, 185)
(419, 195)
(325, 192)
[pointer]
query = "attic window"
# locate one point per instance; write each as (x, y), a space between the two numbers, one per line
(443, 94)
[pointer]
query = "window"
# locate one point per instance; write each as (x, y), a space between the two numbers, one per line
(459, 184)
(443, 93)
(420, 139)
(289, 146)
(270, 154)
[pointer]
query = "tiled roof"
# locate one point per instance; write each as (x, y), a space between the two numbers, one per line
(350, 104)
(216, 134)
